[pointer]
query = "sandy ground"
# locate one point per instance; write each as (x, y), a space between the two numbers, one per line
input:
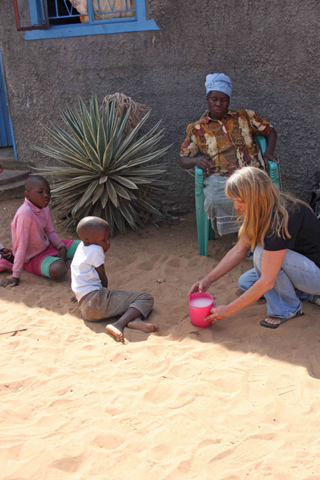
(233, 401)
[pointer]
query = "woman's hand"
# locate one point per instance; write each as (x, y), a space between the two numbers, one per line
(201, 286)
(218, 313)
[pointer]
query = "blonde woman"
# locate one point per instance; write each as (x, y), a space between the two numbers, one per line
(284, 234)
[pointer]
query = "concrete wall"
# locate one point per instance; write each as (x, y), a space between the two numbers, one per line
(268, 47)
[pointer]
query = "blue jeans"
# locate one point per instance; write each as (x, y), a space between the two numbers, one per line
(298, 279)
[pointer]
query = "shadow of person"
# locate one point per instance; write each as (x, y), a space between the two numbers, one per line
(296, 341)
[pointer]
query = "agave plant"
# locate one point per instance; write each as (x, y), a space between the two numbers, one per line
(105, 172)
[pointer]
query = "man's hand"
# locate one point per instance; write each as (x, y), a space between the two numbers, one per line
(202, 162)
(13, 282)
(201, 286)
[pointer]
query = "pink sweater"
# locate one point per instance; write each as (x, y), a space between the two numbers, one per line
(32, 232)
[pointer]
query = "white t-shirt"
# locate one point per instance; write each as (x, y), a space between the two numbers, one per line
(84, 277)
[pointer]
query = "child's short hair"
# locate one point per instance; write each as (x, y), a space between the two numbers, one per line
(33, 180)
(90, 224)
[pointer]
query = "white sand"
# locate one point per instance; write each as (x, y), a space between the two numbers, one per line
(233, 401)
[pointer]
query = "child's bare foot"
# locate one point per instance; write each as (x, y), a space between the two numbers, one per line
(115, 332)
(143, 326)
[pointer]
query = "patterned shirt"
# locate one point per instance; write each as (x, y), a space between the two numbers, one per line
(228, 142)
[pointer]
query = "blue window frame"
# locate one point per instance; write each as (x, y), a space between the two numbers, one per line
(70, 18)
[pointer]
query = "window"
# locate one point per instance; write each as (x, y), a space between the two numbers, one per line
(68, 18)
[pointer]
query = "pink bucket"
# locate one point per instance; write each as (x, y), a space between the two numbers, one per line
(200, 304)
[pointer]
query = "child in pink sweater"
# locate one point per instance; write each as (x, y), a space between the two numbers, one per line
(36, 246)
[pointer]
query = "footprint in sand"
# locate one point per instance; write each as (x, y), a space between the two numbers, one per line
(110, 441)
(69, 464)
(251, 450)
(131, 259)
(145, 266)
(174, 264)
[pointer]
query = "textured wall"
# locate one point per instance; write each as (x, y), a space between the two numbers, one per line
(268, 48)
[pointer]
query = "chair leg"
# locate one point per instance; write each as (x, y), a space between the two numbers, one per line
(202, 225)
(203, 234)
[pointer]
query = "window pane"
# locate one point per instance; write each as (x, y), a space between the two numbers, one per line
(106, 9)
(62, 12)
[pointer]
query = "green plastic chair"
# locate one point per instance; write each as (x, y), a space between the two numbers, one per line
(204, 228)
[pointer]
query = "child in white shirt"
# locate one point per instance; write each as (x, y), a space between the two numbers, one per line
(90, 284)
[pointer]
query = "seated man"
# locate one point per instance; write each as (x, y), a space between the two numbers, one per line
(222, 142)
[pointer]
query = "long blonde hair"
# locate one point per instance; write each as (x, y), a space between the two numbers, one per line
(265, 206)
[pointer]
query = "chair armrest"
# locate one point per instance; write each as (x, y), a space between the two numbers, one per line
(274, 170)
(274, 173)
(262, 142)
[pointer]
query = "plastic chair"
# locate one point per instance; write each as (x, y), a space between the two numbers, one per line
(204, 228)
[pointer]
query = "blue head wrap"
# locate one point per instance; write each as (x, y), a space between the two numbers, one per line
(218, 82)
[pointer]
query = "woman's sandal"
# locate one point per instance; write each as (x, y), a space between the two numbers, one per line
(265, 323)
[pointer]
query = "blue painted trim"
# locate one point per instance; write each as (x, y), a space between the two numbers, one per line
(141, 9)
(80, 30)
(11, 140)
(36, 13)
(90, 11)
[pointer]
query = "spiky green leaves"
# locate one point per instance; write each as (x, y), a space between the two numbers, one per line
(104, 172)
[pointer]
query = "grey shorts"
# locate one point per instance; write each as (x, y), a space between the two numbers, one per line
(103, 303)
